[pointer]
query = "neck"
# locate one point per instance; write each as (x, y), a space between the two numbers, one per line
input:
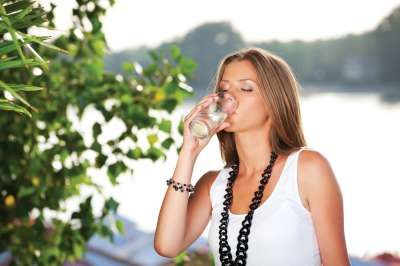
(254, 151)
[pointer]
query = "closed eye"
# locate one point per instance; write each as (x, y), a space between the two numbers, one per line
(247, 90)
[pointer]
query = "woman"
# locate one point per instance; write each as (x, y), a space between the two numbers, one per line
(275, 202)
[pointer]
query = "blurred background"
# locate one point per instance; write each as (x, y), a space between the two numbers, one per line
(92, 99)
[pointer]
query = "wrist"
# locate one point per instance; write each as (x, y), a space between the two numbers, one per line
(181, 186)
(187, 153)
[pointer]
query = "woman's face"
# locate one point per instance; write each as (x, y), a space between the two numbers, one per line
(240, 80)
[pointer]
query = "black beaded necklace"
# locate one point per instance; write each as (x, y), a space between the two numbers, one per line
(225, 255)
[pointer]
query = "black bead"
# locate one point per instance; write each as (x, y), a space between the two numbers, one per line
(242, 245)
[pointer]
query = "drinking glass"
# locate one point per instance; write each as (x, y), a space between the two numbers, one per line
(212, 116)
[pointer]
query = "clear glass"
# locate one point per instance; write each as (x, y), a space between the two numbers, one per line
(212, 116)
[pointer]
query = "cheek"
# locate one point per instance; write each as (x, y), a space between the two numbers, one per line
(250, 112)
(257, 117)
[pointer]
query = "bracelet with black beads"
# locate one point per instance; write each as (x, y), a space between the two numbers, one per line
(181, 186)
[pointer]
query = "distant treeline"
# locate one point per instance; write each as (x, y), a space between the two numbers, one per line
(371, 57)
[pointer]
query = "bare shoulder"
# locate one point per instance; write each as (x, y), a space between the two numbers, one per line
(202, 188)
(316, 175)
(312, 161)
(325, 202)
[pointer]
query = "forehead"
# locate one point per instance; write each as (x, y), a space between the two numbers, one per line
(239, 71)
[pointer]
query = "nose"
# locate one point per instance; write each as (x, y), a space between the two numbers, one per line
(230, 97)
(230, 103)
(227, 95)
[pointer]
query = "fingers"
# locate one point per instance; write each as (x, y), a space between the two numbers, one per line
(195, 110)
(207, 98)
(200, 105)
(212, 95)
(220, 128)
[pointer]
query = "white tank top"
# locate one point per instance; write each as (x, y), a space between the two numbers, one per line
(281, 233)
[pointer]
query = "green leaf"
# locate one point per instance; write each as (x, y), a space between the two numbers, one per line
(187, 66)
(115, 170)
(136, 153)
(152, 138)
(105, 231)
(169, 104)
(111, 205)
(150, 69)
(182, 94)
(171, 87)
(175, 52)
(96, 146)
(12, 31)
(37, 56)
(9, 106)
(18, 63)
(154, 55)
(167, 143)
(126, 98)
(98, 46)
(78, 249)
(120, 226)
(181, 127)
(100, 160)
(38, 40)
(128, 67)
(23, 87)
(96, 129)
(25, 191)
(165, 126)
(23, 13)
(16, 6)
(16, 95)
(8, 46)
(154, 153)
(181, 257)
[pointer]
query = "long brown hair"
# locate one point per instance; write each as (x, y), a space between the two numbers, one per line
(280, 91)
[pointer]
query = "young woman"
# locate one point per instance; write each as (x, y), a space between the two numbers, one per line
(275, 202)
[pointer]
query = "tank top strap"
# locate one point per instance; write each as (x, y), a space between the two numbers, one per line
(291, 188)
(217, 188)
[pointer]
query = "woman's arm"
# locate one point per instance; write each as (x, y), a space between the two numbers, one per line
(172, 217)
(183, 218)
(326, 205)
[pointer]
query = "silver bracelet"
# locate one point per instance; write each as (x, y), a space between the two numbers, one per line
(182, 187)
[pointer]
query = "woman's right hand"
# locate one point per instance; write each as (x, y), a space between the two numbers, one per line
(192, 144)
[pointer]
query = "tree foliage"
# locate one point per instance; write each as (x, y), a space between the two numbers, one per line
(45, 159)
(15, 18)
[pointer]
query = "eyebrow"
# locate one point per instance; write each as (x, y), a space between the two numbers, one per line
(224, 80)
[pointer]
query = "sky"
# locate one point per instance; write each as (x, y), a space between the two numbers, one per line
(131, 23)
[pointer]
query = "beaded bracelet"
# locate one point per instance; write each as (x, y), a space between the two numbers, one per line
(176, 185)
